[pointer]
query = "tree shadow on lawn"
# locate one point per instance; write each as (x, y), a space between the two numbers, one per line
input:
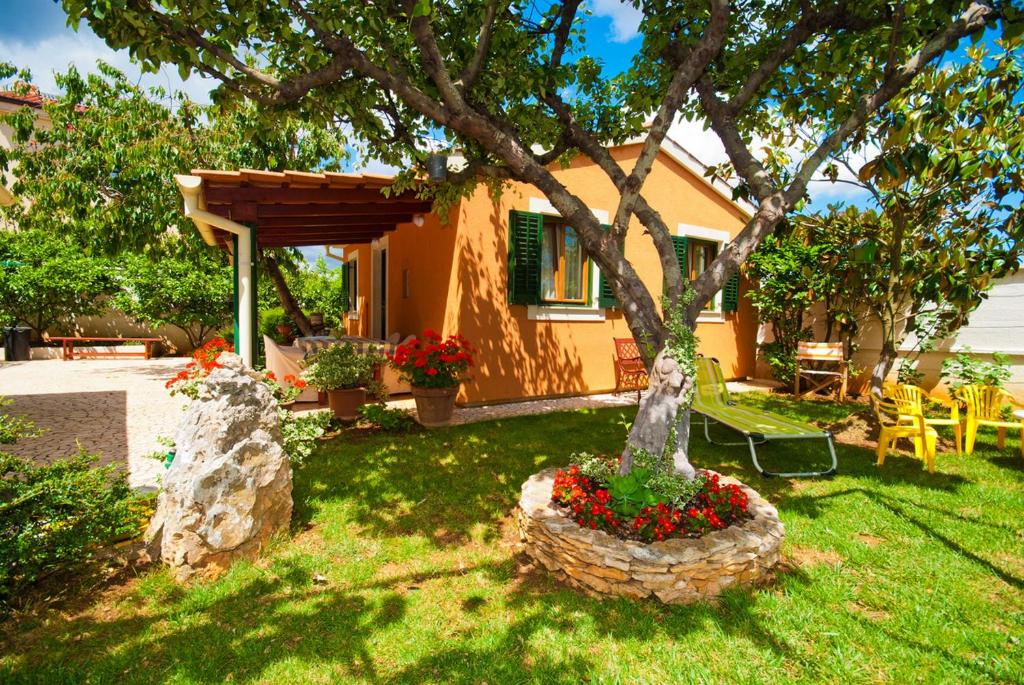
(443, 484)
(447, 484)
(456, 481)
(210, 634)
(280, 624)
(903, 509)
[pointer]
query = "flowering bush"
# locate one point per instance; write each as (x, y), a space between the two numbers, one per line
(286, 392)
(631, 510)
(204, 361)
(430, 362)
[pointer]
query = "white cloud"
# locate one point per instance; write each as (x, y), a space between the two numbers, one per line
(624, 17)
(53, 54)
(702, 144)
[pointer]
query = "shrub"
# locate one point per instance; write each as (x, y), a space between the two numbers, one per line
(430, 362)
(908, 374)
(781, 360)
(965, 369)
(13, 428)
(56, 515)
(340, 367)
(387, 419)
(300, 433)
(647, 506)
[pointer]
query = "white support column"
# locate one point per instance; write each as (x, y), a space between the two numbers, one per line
(191, 191)
(246, 294)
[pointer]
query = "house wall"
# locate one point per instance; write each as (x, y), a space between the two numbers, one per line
(458, 275)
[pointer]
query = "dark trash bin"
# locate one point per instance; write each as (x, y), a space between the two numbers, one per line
(16, 347)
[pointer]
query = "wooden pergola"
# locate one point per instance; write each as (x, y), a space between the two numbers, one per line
(245, 210)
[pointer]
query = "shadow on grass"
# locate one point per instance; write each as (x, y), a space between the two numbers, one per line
(813, 506)
(446, 483)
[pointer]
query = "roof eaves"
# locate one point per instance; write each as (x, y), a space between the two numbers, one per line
(689, 161)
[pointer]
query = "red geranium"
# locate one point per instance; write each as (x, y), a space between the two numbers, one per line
(432, 362)
(713, 507)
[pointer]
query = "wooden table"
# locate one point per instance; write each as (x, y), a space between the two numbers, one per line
(68, 347)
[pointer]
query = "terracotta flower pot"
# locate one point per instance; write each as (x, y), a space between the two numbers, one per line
(345, 403)
(284, 330)
(435, 406)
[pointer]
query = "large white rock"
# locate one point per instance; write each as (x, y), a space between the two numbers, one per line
(229, 487)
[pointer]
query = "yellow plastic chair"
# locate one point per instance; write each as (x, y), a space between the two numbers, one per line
(916, 396)
(984, 408)
(899, 419)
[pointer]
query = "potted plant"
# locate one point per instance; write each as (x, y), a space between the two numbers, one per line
(277, 325)
(434, 368)
(344, 374)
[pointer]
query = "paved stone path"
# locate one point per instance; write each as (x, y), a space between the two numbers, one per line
(113, 407)
(117, 408)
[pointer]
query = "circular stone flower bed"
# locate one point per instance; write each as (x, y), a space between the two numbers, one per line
(676, 571)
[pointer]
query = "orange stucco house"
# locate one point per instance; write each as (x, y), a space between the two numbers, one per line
(509, 276)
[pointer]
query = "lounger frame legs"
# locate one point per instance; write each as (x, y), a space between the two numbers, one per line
(752, 443)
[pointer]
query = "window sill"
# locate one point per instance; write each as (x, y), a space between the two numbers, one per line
(563, 313)
(711, 317)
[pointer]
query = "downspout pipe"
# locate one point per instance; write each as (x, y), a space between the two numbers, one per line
(191, 188)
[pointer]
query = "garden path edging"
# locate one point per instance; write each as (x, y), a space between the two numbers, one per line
(676, 571)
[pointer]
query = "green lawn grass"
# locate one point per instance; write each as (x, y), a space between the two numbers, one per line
(400, 568)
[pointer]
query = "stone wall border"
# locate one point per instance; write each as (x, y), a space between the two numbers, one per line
(676, 571)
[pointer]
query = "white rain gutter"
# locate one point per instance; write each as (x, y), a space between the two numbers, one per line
(191, 188)
(332, 255)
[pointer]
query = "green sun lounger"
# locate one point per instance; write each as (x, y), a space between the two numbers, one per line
(711, 400)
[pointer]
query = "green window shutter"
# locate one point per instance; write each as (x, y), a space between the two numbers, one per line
(679, 243)
(605, 296)
(731, 294)
(524, 242)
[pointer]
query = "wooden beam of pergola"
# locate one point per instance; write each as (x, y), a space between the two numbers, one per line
(338, 209)
(303, 221)
(317, 240)
(220, 195)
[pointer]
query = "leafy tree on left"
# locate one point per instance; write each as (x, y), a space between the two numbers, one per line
(45, 280)
(101, 176)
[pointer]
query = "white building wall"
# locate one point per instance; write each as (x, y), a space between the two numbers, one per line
(996, 326)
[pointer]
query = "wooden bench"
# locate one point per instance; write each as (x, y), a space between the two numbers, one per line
(68, 347)
(630, 373)
(826, 353)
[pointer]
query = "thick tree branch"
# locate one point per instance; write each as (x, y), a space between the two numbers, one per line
(837, 16)
(483, 46)
(707, 48)
(775, 206)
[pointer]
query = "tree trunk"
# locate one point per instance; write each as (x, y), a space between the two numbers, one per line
(886, 357)
(284, 294)
(658, 414)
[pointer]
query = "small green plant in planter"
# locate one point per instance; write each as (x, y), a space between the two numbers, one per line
(344, 374)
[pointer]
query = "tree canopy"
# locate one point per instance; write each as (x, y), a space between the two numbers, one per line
(512, 86)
